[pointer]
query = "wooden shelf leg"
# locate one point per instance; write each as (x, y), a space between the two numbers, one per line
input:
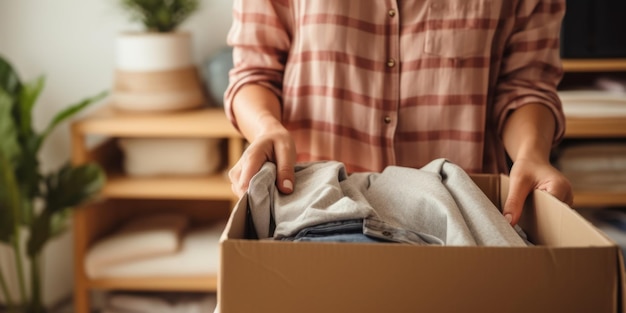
(81, 299)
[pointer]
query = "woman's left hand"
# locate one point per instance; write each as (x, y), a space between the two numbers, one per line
(527, 175)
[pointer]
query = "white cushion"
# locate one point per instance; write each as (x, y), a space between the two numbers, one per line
(161, 302)
(142, 237)
(199, 255)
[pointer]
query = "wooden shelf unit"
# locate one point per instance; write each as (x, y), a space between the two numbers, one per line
(204, 198)
(201, 187)
(599, 199)
(594, 65)
(205, 284)
(596, 128)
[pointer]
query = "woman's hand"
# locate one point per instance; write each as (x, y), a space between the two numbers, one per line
(527, 175)
(528, 135)
(258, 113)
(276, 146)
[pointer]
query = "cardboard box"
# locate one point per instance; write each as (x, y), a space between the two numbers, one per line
(572, 268)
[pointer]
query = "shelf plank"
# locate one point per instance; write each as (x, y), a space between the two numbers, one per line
(211, 122)
(196, 283)
(595, 127)
(593, 198)
(594, 65)
(213, 187)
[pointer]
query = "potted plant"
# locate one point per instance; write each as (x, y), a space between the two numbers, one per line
(32, 203)
(154, 68)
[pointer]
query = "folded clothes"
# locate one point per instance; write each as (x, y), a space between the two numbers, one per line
(139, 238)
(438, 204)
(599, 180)
(198, 255)
(593, 103)
(593, 157)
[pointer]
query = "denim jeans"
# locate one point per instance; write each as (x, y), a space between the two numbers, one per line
(337, 231)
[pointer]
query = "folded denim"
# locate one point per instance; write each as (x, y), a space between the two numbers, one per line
(336, 231)
(354, 231)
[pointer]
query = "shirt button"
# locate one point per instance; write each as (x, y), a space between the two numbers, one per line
(391, 63)
(392, 12)
(387, 119)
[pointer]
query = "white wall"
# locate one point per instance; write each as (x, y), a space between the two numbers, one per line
(72, 43)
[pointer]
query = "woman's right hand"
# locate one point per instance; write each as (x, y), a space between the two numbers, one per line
(275, 145)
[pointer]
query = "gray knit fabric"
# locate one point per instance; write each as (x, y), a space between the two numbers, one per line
(323, 193)
(438, 204)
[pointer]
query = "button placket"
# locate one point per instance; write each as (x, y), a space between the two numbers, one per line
(391, 64)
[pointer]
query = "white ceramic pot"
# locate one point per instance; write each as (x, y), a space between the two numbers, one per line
(146, 52)
(155, 72)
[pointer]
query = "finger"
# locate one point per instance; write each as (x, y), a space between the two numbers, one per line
(561, 191)
(285, 162)
(249, 168)
(519, 189)
(234, 175)
(238, 192)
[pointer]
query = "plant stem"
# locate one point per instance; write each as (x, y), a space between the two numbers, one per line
(5, 291)
(35, 275)
(20, 266)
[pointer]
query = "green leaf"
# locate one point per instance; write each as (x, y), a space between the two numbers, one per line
(45, 227)
(67, 188)
(9, 144)
(9, 80)
(9, 200)
(27, 99)
(72, 185)
(66, 114)
(39, 234)
(59, 222)
(28, 177)
(160, 15)
(17, 138)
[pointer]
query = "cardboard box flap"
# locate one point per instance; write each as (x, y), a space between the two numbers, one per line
(548, 221)
(234, 228)
(622, 283)
(543, 217)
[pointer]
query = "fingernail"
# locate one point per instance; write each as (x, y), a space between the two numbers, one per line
(287, 184)
(508, 217)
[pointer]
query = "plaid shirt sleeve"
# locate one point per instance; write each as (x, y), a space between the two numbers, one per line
(261, 39)
(531, 66)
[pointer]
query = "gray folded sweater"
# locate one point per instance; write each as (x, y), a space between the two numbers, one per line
(438, 204)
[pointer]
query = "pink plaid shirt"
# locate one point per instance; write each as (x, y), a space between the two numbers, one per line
(373, 83)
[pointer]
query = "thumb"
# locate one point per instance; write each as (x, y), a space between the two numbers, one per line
(285, 179)
(519, 189)
(285, 176)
